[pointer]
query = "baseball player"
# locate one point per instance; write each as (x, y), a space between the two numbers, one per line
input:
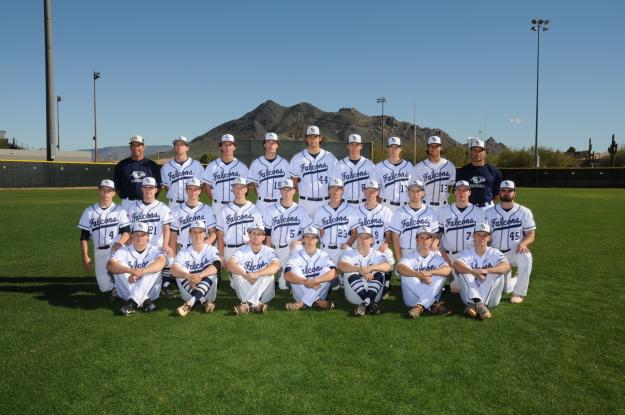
(129, 172)
(177, 172)
(311, 170)
(234, 220)
(483, 177)
(186, 213)
(393, 174)
(409, 218)
(253, 267)
(513, 230)
(267, 172)
(481, 270)
(158, 217)
(196, 268)
(423, 274)
(137, 268)
(107, 224)
(220, 173)
(337, 222)
(364, 270)
(284, 222)
(355, 171)
(310, 272)
(437, 174)
(377, 217)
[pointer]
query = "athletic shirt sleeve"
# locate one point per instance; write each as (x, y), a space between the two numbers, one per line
(294, 166)
(84, 220)
(395, 225)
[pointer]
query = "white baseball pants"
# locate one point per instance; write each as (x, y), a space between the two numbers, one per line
(262, 291)
(105, 279)
(148, 286)
(362, 285)
(416, 292)
(520, 282)
(488, 292)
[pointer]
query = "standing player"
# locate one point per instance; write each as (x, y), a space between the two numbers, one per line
(457, 223)
(393, 174)
(407, 220)
(253, 267)
(129, 172)
(513, 230)
(481, 270)
(311, 170)
(483, 177)
(137, 268)
(284, 222)
(364, 270)
(196, 268)
(107, 224)
(423, 274)
(186, 213)
(267, 172)
(355, 171)
(310, 272)
(177, 171)
(437, 174)
(220, 173)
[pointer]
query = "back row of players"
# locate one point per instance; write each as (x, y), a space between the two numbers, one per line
(336, 198)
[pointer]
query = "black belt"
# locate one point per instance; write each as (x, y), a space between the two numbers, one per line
(392, 203)
(453, 253)
(331, 247)
(268, 200)
(505, 250)
(436, 203)
(234, 246)
(179, 201)
(283, 246)
(314, 199)
(104, 247)
(483, 204)
(355, 202)
(225, 202)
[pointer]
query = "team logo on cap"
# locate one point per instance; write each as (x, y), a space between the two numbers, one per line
(136, 139)
(462, 183)
(354, 138)
(482, 227)
(364, 230)
(239, 180)
(148, 181)
(424, 229)
(416, 183)
(198, 224)
(312, 130)
(311, 230)
(475, 142)
(372, 184)
(256, 226)
(271, 136)
(335, 181)
(227, 138)
(393, 141)
(180, 139)
(507, 184)
(107, 183)
(141, 227)
(193, 181)
(286, 183)
(434, 140)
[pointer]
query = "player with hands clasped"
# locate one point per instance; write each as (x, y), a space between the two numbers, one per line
(252, 268)
(423, 273)
(107, 225)
(310, 272)
(137, 268)
(176, 173)
(481, 270)
(196, 268)
(364, 270)
(354, 170)
(513, 230)
(267, 172)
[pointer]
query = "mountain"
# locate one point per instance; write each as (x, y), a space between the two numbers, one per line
(116, 153)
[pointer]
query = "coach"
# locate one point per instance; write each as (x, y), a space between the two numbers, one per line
(483, 178)
(130, 171)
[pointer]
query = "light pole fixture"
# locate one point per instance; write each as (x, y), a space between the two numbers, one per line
(58, 123)
(538, 25)
(382, 100)
(96, 75)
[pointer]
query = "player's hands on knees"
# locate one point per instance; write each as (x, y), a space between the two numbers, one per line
(522, 249)
(86, 263)
(480, 273)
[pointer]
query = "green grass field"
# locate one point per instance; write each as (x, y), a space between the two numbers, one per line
(65, 349)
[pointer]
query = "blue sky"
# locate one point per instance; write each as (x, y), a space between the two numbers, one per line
(181, 68)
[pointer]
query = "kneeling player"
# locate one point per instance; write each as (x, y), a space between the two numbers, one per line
(310, 272)
(196, 269)
(364, 270)
(138, 271)
(423, 274)
(253, 267)
(481, 270)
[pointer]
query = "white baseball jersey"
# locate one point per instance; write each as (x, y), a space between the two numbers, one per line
(310, 266)
(220, 175)
(234, 220)
(436, 178)
(103, 224)
(196, 262)
(457, 226)
(130, 257)
(374, 257)
(377, 219)
(354, 176)
(184, 215)
(267, 176)
(156, 215)
(175, 176)
(508, 227)
(252, 262)
(394, 180)
(314, 173)
(336, 224)
(416, 262)
(491, 258)
(406, 221)
(285, 224)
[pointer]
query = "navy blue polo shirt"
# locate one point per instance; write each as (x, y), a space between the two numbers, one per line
(484, 182)
(129, 173)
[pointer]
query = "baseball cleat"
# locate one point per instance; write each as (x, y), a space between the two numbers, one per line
(148, 306)
(386, 293)
(183, 310)
(129, 308)
(297, 305)
(440, 309)
(416, 311)
(168, 292)
(261, 308)
(241, 309)
(470, 311)
(360, 310)
(374, 309)
(516, 299)
(208, 307)
(483, 312)
(323, 305)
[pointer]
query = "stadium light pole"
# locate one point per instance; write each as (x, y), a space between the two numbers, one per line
(58, 123)
(538, 25)
(382, 100)
(96, 76)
